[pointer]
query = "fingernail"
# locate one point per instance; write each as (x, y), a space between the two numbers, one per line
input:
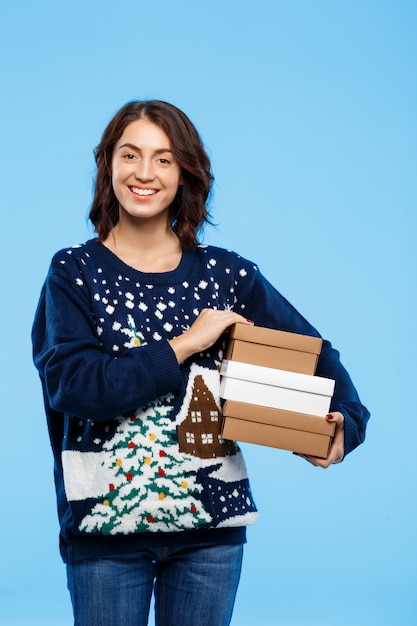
(329, 416)
(250, 321)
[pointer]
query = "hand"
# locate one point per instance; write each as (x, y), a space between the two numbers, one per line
(205, 331)
(337, 449)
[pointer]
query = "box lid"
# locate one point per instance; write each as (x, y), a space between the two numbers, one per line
(280, 338)
(277, 378)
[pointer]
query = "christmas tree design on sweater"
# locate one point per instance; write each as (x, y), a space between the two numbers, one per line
(153, 487)
(163, 468)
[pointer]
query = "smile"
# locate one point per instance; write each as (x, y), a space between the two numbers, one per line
(143, 192)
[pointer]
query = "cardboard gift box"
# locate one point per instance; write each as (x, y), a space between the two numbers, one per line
(275, 388)
(273, 348)
(297, 432)
(271, 395)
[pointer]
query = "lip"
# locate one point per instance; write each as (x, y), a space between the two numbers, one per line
(143, 198)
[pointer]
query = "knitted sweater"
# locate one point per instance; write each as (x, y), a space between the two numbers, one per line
(138, 454)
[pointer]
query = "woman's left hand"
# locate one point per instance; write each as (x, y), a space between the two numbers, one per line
(337, 449)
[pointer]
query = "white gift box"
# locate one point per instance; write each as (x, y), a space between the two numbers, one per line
(274, 388)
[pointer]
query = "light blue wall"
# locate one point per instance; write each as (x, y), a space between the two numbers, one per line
(308, 110)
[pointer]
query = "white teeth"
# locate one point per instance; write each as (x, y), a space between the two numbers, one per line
(143, 192)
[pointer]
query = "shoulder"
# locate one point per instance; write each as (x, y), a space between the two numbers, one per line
(76, 252)
(77, 258)
(70, 263)
(225, 257)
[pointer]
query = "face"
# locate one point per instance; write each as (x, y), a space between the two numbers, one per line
(145, 174)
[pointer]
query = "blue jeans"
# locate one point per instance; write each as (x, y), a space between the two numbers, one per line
(194, 586)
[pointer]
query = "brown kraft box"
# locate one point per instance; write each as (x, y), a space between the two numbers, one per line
(273, 348)
(287, 430)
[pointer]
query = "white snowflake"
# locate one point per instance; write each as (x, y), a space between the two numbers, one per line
(243, 272)
(116, 326)
(142, 306)
(79, 281)
(213, 262)
(110, 309)
(129, 304)
(171, 290)
(168, 327)
(157, 337)
(130, 296)
(203, 284)
(161, 306)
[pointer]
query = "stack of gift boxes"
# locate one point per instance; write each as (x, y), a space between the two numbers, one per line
(271, 395)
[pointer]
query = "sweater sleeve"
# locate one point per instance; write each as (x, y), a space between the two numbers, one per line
(78, 377)
(267, 307)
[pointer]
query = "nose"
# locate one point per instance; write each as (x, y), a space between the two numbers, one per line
(144, 170)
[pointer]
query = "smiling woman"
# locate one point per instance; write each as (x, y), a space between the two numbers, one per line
(128, 337)
(182, 148)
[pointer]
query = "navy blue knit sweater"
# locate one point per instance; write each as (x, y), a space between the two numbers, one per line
(139, 459)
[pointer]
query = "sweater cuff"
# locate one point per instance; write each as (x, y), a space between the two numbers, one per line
(350, 433)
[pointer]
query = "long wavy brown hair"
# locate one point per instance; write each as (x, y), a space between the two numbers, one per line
(188, 211)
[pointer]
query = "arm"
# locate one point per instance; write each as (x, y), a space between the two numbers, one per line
(267, 307)
(78, 376)
(81, 379)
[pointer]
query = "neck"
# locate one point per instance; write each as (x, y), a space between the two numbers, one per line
(146, 247)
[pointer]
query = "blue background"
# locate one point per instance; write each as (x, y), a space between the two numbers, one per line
(308, 110)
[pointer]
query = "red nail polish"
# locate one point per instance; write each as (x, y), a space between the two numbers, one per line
(329, 416)
(250, 321)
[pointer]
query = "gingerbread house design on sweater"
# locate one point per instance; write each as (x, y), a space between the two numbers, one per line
(200, 432)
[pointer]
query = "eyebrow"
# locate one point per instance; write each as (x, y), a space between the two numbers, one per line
(133, 147)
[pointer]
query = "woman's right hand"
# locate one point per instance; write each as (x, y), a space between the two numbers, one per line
(205, 331)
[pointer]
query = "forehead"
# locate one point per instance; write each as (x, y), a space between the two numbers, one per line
(145, 134)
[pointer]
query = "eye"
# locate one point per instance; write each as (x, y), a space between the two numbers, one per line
(128, 156)
(164, 161)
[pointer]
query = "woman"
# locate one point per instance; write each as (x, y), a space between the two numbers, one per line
(128, 338)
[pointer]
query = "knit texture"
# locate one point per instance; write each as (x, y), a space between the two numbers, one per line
(136, 437)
